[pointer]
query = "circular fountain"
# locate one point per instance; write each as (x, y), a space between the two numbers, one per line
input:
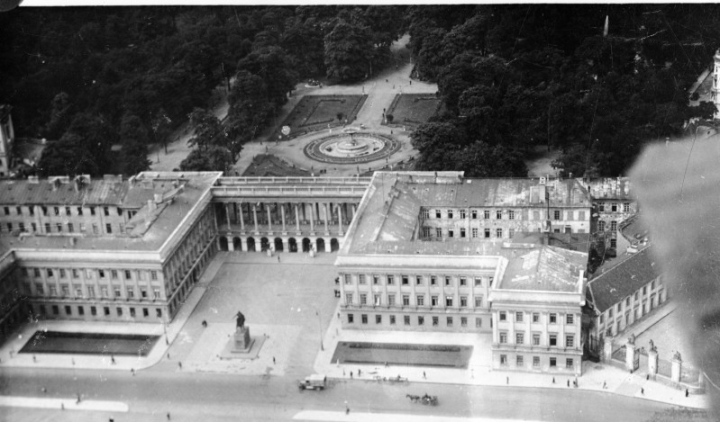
(351, 146)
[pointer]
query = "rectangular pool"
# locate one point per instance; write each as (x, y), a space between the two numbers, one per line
(89, 343)
(398, 354)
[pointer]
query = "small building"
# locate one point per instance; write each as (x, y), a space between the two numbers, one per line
(623, 295)
(537, 311)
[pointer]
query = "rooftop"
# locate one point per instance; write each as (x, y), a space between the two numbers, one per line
(622, 280)
(544, 268)
(388, 219)
(608, 188)
(147, 231)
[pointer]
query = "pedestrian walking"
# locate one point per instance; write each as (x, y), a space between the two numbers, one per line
(647, 377)
(278, 259)
(168, 355)
(168, 415)
(507, 380)
(62, 406)
(553, 380)
(359, 372)
(273, 360)
(351, 374)
(132, 371)
(687, 392)
(112, 359)
(34, 358)
(642, 391)
(424, 376)
(78, 399)
(568, 383)
(180, 365)
(604, 385)
(44, 390)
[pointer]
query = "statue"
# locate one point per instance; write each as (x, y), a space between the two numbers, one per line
(240, 320)
(653, 348)
(677, 356)
(631, 339)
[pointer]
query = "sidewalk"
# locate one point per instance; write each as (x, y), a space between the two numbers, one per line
(595, 375)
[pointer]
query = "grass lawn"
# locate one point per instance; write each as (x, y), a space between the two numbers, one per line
(265, 165)
(316, 112)
(413, 109)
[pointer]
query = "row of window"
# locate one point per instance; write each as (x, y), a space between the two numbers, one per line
(498, 214)
(435, 320)
(80, 311)
(90, 293)
(520, 317)
(90, 273)
(418, 280)
(520, 362)
(62, 228)
(613, 225)
(614, 207)
(449, 300)
(636, 298)
(57, 211)
(536, 339)
(440, 233)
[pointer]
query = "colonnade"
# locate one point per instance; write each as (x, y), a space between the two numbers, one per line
(283, 226)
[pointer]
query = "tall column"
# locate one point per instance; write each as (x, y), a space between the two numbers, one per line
(231, 246)
(255, 217)
(297, 218)
(269, 218)
(312, 218)
(282, 215)
(243, 244)
(340, 218)
(326, 219)
(354, 210)
(227, 216)
(242, 219)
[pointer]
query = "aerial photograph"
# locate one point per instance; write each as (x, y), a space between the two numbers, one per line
(361, 212)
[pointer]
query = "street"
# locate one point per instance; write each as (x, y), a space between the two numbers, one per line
(216, 397)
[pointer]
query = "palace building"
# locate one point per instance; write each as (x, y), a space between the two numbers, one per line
(416, 251)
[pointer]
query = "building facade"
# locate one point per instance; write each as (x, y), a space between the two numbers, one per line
(537, 311)
(624, 294)
(613, 203)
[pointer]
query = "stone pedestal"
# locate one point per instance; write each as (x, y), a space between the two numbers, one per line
(676, 370)
(652, 363)
(607, 349)
(630, 357)
(241, 341)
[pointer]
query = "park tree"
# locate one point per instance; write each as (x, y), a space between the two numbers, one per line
(437, 143)
(207, 129)
(272, 65)
(250, 108)
(60, 116)
(134, 139)
(349, 51)
(212, 158)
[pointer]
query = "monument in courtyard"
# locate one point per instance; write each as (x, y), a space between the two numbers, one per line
(241, 341)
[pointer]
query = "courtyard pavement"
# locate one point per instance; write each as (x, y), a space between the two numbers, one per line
(290, 304)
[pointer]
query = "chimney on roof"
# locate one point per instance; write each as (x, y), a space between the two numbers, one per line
(33, 179)
(158, 197)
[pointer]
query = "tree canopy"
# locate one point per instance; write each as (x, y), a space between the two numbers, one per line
(529, 75)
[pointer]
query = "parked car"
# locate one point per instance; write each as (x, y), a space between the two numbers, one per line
(314, 382)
